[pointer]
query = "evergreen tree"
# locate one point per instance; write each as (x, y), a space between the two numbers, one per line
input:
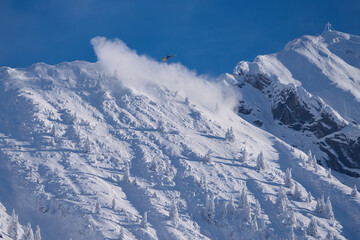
(354, 192)
(302, 161)
(87, 146)
(329, 236)
(144, 221)
(329, 174)
(289, 183)
(320, 205)
(97, 208)
(245, 156)
(28, 233)
(291, 218)
(126, 177)
(161, 126)
(13, 230)
(282, 200)
(257, 209)
(231, 207)
(53, 131)
(187, 102)
(312, 229)
(247, 213)
(174, 214)
(297, 193)
(254, 224)
(260, 162)
(167, 167)
(207, 157)
(243, 199)
(37, 233)
(223, 210)
(230, 136)
(310, 156)
(113, 204)
(209, 212)
(291, 235)
(309, 198)
(328, 212)
(121, 235)
(153, 165)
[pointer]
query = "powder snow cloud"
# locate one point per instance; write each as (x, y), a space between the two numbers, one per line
(140, 72)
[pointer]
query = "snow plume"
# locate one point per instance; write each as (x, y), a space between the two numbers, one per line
(142, 73)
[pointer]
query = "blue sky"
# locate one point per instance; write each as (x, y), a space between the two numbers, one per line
(207, 36)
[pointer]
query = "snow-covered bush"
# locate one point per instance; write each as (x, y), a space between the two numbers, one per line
(126, 177)
(174, 214)
(144, 221)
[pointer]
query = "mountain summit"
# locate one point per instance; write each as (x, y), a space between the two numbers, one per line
(132, 148)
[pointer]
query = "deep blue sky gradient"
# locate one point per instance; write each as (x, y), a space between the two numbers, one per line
(208, 36)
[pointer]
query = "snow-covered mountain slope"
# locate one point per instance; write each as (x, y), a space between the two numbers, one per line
(313, 88)
(90, 152)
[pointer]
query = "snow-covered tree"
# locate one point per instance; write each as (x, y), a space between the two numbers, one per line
(161, 126)
(289, 183)
(87, 146)
(292, 234)
(223, 210)
(231, 207)
(310, 156)
(121, 234)
(37, 233)
(209, 212)
(53, 131)
(229, 135)
(320, 205)
(302, 161)
(297, 193)
(28, 233)
(246, 212)
(153, 165)
(144, 221)
(282, 201)
(245, 156)
(126, 177)
(309, 197)
(187, 102)
(260, 162)
(97, 208)
(243, 202)
(329, 175)
(113, 204)
(328, 212)
(174, 214)
(207, 157)
(13, 230)
(312, 229)
(257, 209)
(254, 224)
(167, 167)
(203, 182)
(354, 192)
(329, 236)
(291, 220)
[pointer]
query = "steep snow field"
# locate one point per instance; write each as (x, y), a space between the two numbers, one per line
(69, 134)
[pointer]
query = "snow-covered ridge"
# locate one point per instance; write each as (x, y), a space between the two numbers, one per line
(89, 159)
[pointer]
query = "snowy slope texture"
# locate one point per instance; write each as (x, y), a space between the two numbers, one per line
(130, 148)
(312, 87)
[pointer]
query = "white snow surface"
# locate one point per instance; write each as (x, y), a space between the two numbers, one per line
(67, 132)
(326, 65)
